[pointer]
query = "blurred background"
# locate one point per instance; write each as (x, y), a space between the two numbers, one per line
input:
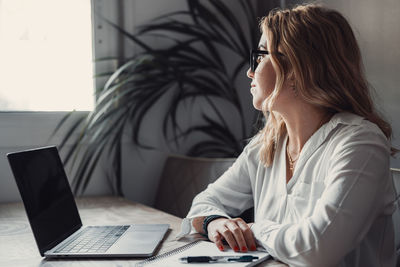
(82, 56)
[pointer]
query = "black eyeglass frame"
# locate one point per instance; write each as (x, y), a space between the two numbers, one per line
(254, 53)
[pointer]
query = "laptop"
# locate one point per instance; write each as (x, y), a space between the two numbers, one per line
(54, 217)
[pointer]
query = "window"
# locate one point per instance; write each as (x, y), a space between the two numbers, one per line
(46, 55)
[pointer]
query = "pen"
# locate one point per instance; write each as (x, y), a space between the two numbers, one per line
(258, 262)
(219, 259)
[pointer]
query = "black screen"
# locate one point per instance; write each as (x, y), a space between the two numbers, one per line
(46, 194)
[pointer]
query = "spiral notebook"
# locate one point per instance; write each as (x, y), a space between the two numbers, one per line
(200, 248)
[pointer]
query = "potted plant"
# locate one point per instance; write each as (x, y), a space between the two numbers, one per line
(190, 70)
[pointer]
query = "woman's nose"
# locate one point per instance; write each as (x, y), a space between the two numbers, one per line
(250, 74)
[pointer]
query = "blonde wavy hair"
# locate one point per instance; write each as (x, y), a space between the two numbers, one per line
(321, 55)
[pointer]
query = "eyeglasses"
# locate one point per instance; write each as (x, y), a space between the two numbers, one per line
(256, 57)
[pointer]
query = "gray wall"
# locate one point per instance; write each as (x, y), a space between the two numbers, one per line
(25, 130)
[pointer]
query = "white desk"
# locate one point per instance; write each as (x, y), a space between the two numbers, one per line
(18, 247)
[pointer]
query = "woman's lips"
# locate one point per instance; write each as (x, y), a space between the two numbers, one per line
(252, 88)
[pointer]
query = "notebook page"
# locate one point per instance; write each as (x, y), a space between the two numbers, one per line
(204, 248)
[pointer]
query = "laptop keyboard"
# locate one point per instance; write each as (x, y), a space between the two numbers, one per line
(93, 239)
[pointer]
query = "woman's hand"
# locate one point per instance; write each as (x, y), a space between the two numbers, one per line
(235, 232)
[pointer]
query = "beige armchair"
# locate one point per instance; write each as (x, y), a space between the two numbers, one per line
(183, 178)
(396, 215)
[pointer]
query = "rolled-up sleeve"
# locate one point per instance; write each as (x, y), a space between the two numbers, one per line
(358, 175)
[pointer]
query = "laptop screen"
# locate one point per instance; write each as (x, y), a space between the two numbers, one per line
(47, 196)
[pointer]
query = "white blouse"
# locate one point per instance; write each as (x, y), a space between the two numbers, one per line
(335, 211)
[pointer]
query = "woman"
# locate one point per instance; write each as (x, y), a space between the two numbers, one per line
(318, 173)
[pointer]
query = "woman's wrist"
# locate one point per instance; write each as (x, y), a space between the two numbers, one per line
(197, 224)
(207, 220)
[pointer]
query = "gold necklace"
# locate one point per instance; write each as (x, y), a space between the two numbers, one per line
(291, 161)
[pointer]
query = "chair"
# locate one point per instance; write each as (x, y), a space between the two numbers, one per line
(396, 214)
(183, 178)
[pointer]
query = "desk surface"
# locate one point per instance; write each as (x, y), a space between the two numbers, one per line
(18, 247)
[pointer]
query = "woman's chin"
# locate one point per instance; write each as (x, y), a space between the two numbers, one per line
(257, 105)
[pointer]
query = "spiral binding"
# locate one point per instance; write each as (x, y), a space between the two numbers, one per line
(167, 254)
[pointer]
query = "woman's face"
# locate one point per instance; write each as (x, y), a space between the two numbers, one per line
(264, 76)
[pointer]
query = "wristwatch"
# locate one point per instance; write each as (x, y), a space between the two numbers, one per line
(207, 221)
